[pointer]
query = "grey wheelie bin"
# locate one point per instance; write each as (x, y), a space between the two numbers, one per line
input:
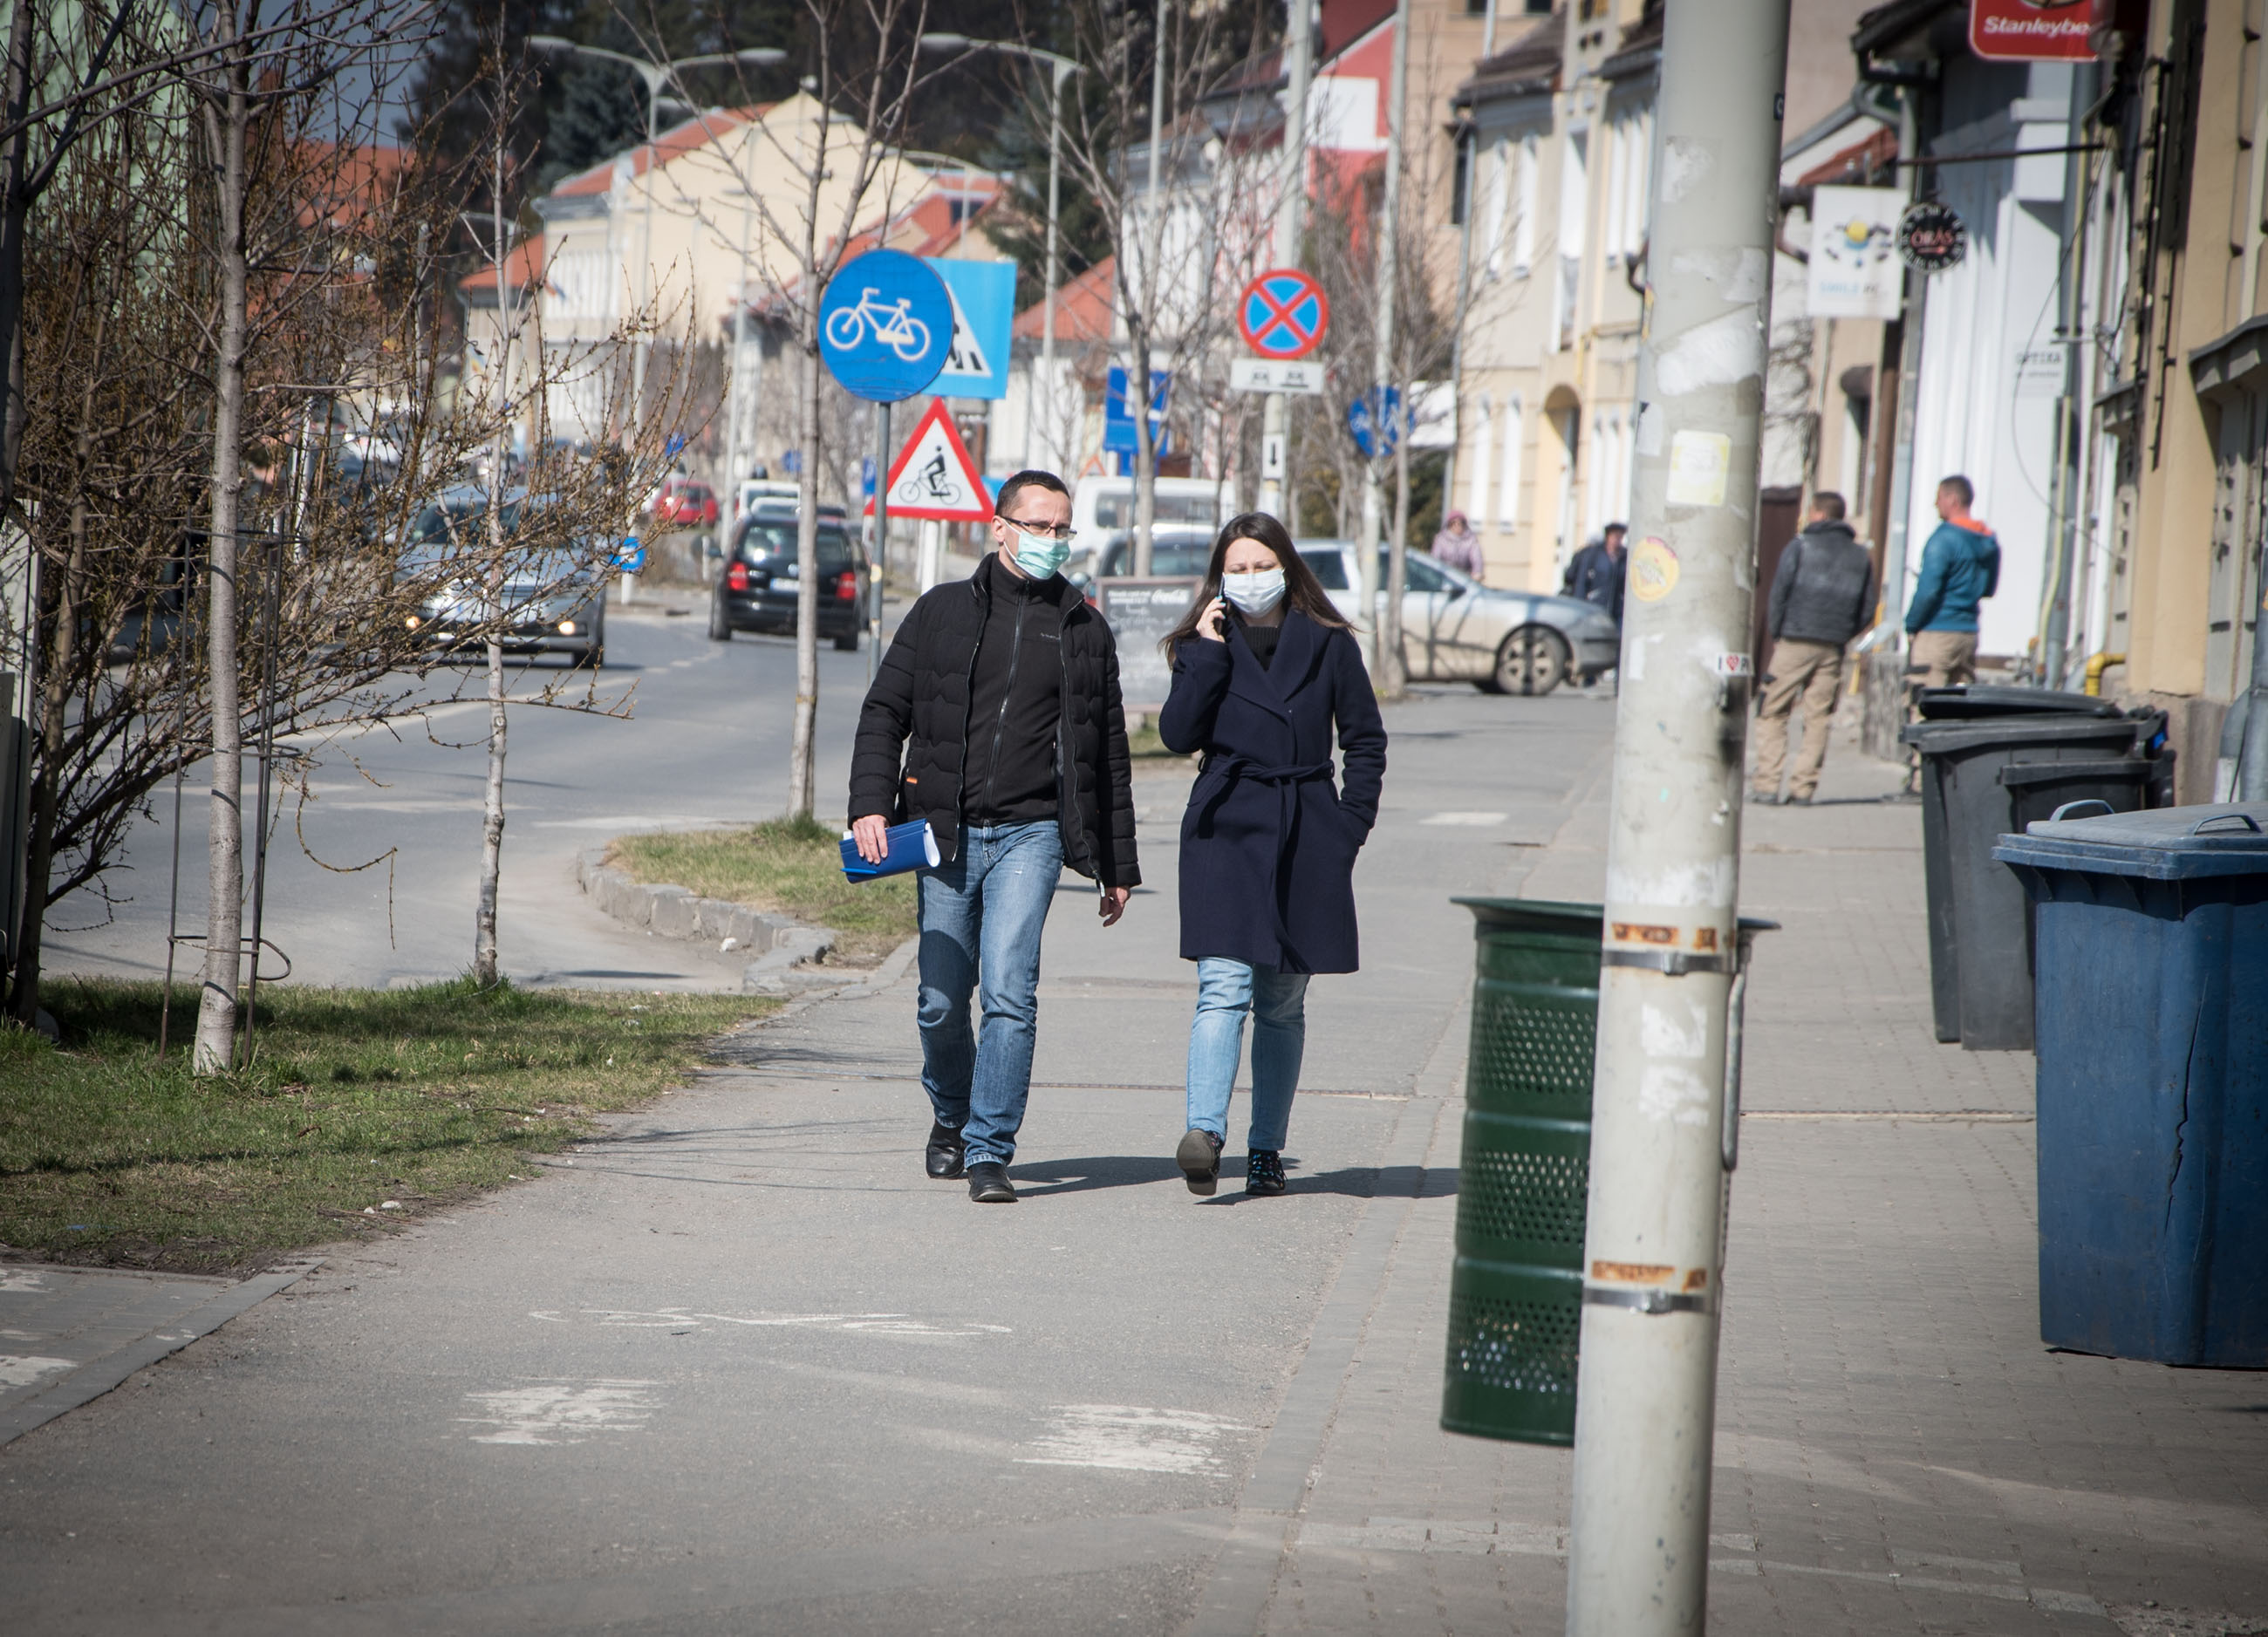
(2152, 1081)
(1983, 777)
(1523, 1181)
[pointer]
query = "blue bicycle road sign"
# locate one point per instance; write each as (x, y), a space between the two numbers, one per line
(1366, 415)
(885, 325)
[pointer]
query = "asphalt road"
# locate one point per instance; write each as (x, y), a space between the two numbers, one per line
(702, 740)
(739, 1365)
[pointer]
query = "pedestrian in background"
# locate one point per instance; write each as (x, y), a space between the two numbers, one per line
(1822, 595)
(1960, 567)
(1457, 546)
(1597, 573)
(1000, 693)
(1265, 672)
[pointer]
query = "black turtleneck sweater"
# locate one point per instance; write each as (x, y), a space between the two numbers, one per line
(1015, 701)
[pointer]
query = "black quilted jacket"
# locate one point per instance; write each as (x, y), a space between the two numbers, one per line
(913, 730)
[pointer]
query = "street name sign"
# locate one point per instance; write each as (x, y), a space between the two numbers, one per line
(1283, 313)
(983, 297)
(1266, 375)
(933, 476)
(885, 325)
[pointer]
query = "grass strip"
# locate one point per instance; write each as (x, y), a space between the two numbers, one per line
(353, 1098)
(791, 866)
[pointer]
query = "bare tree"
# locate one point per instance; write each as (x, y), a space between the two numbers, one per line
(1188, 214)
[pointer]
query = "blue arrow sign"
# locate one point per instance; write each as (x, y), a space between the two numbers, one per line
(1365, 417)
(885, 325)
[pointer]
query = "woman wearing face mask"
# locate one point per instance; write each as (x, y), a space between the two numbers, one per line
(1265, 671)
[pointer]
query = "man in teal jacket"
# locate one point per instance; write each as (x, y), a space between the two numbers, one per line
(1960, 567)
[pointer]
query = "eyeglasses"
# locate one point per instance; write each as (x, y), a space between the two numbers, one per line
(1053, 531)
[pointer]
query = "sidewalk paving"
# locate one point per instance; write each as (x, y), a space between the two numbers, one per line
(736, 1365)
(1895, 1449)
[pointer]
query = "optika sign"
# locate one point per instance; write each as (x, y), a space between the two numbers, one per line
(2032, 31)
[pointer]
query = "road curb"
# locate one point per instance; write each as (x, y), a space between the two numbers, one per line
(98, 1376)
(674, 912)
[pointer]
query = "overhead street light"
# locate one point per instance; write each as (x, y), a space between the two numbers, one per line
(655, 75)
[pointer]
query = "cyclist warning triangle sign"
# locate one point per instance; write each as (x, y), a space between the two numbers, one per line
(933, 476)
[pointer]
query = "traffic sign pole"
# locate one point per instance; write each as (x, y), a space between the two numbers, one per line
(881, 556)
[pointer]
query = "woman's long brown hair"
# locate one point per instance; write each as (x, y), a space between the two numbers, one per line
(1301, 589)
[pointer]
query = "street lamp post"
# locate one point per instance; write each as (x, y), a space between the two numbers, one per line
(655, 76)
(1060, 69)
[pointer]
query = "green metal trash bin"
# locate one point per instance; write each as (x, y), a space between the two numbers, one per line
(1516, 1296)
(1523, 1182)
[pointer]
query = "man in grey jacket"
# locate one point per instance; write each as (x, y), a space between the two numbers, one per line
(1823, 596)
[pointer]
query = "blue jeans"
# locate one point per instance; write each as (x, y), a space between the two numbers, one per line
(1227, 989)
(981, 915)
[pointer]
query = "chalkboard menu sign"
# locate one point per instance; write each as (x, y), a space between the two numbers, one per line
(1140, 613)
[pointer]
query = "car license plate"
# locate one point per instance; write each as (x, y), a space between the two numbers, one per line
(787, 585)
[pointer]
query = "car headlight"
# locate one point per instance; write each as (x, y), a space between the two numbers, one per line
(566, 628)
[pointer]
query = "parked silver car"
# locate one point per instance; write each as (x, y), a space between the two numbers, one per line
(1454, 629)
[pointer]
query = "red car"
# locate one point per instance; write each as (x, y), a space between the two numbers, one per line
(683, 502)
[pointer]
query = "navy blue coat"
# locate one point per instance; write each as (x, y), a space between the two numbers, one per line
(1268, 845)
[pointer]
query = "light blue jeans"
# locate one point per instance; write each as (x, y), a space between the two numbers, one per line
(1226, 990)
(980, 919)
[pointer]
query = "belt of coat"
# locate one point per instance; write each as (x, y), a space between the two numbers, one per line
(1287, 779)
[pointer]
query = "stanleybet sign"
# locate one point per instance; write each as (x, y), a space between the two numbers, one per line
(2033, 30)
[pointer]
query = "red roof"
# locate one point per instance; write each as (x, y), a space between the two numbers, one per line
(675, 142)
(925, 227)
(1083, 307)
(524, 263)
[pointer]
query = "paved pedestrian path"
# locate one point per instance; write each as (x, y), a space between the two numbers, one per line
(738, 1366)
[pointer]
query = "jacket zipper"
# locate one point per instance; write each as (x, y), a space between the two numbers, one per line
(1007, 692)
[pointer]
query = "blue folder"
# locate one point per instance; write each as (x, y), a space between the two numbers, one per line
(911, 847)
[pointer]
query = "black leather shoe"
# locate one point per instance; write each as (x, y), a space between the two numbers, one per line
(946, 1151)
(1264, 1171)
(989, 1184)
(1199, 1158)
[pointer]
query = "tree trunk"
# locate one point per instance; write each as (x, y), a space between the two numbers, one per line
(15, 220)
(801, 795)
(1145, 448)
(484, 913)
(54, 705)
(225, 131)
(1391, 676)
(484, 918)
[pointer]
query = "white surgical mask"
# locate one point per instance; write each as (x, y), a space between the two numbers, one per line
(1254, 592)
(1039, 555)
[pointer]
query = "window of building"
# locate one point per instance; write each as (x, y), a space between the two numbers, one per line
(1508, 514)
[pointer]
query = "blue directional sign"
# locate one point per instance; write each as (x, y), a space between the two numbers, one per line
(983, 310)
(1367, 416)
(1118, 422)
(630, 558)
(885, 325)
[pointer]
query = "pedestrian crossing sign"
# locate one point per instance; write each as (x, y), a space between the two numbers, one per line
(933, 476)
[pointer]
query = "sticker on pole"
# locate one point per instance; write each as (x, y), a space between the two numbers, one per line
(1653, 569)
(933, 476)
(885, 325)
(1284, 313)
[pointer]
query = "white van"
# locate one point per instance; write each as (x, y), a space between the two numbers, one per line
(1102, 505)
(754, 489)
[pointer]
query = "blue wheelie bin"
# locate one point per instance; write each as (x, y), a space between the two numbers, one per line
(2152, 997)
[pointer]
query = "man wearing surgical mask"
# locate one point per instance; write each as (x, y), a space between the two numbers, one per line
(996, 717)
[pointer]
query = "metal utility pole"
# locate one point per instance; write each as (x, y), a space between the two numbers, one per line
(1661, 1132)
(1902, 440)
(1291, 228)
(1138, 373)
(1469, 159)
(881, 539)
(1381, 347)
(2071, 416)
